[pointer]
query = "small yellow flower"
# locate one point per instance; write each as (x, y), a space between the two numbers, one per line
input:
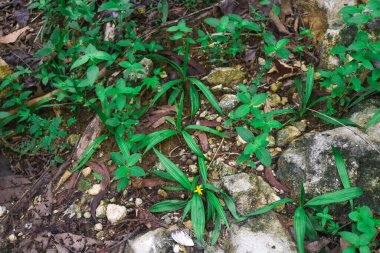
(199, 190)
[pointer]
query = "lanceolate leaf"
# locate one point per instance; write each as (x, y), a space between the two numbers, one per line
(268, 207)
(206, 129)
(164, 89)
(194, 100)
(168, 206)
(174, 171)
(208, 94)
(202, 168)
(198, 216)
(157, 137)
(309, 84)
(192, 145)
(300, 228)
(335, 197)
(217, 228)
(218, 207)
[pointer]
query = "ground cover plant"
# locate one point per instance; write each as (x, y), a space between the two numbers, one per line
(138, 71)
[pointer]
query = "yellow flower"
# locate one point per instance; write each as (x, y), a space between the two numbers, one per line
(199, 190)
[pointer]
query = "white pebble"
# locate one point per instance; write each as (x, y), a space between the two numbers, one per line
(138, 202)
(98, 227)
(94, 190)
(115, 213)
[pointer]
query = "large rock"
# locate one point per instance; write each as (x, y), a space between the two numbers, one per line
(155, 241)
(309, 159)
(228, 102)
(228, 76)
(263, 233)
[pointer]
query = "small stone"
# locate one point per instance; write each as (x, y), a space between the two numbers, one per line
(271, 141)
(219, 128)
(72, 139)
(189, 162)
(98, 227)
(203, 114)
(86, 171)
(217, 88)
(138, 202)
(274, 100)
(240, 141)
(168, 221)
(301, 125)
(100, 235)
(162, 193)
(3, 210)
(261, 61)
(260, 168)
(101, 210)
(275, 86)
(193, 169)
(228, 102)
(12, 238)
(87, 215)
(194, 158)
(188, 224)
(212, 116)
(287, 134)
(94, 190)
(115, 213)
(112, 200)
(219, 119)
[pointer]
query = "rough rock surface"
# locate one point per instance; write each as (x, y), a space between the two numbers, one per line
(155, 241)
(228, 102)
(115, 213)
(227, 76)
(263, 233)
(309, 159)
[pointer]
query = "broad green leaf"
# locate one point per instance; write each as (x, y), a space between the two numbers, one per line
(241, 111)
(207, 93)
(299, 222)
(335, 197)
(121, 172)
(168, 206)
(4, 115)
(80, 61)
(214, 22)
(264, 156)
(164, 89)
(163, 7)
(174, 171)
(137, 171)
(123, 146)
(350, 237)
(205, 129)
(259, 99)
(133, 159)
(123, 182)
(92, 74)
(192, 145)
(198, 216)
(245, 134)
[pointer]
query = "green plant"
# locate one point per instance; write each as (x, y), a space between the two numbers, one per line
(199, 194)
(185, 83)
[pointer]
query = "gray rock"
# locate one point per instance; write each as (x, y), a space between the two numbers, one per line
(263, 233)
(362, 113)
(228, 102)
(227, 76)
(147, 69)
(155, 241)
(309, 159)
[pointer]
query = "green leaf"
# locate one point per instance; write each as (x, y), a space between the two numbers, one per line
(206, 129)
(202, 168)
(259, 99)
(230, 204)
(198, 216)
(3, 115)
(350, 237)
(375, 118)
(245, 134)
(214, 22)
(164, 89)
(264, 156)
(218, 207)
(121, 172)
(92, 74)
(269, 207)
(163, 174)
(335, 197)
(137, 171)
(241, 111)
(180, 112)
(192, 145)
(300, 228)
(174, 171)
(309, 85)
(168, 206)
(80, 61)
(217, 228)
(123, 182)
(154, 138)
(163, 7)
(194, 99)
(133, 159)
(207, 93)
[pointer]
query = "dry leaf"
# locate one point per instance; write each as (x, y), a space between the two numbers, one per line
(63, 179)
(12, 37)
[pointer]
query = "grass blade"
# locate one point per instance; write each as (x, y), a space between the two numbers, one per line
(202, 168)
(164, 89)
(168, 206)
(309, 85)
(335, 197)
(180, 113)
(198, 216)
(192, 145)
(218, 207)
(206, 129)
(300, 228)
(342, 171)
(194, 100)
(174, 171)
(154, 138)
(269, 207)
(208, 94)
(217, 228)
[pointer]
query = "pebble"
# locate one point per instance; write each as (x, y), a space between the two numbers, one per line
(138, 202)
(194, 158)
(100, 235)
(98, 227)
(87, 215)
(260, 168)
(162, 193)
(101, 210)
(12, 238)
(261, 61)
(193, 169)
(275, 86)
(176, 248)
(86, 171)
(3, 210)
(115, 213)
(189, 162)
(94, 190)
(219, 119)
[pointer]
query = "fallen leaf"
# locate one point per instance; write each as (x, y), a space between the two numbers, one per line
(12, 37)
(202, 139)
(101, 169)
(270, 178)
